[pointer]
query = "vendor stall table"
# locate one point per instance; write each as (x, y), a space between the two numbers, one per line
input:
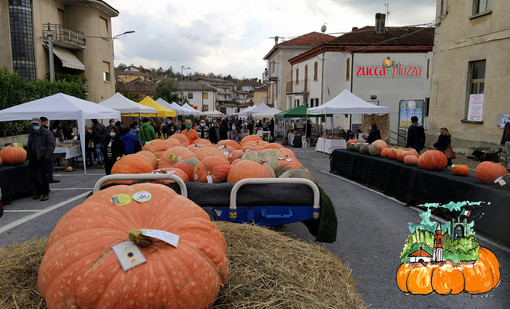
(70, 152)
(412, 185)
(264, 134)
(15, 180)
(328, 145)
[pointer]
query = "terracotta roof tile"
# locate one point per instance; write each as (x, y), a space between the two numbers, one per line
(393, 36)
(420, 253)
(309, 39)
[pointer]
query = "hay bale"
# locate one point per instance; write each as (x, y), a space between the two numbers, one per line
(267, 270)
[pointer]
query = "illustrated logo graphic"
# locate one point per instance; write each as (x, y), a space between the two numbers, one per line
(446, 258)
(121, 199)
(142, 196)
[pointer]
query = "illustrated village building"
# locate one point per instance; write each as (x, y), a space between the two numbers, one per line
(421, 256)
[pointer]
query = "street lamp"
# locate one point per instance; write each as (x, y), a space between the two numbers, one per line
(182, 80)
(124, 33)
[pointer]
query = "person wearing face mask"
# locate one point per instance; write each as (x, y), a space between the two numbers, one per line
(40, 146)
(44, 124)
(189, 132)
(235, 133)
(203, 129)
(113, 150)
(170, 128)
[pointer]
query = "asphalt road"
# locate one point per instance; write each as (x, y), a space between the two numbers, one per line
(372, 230)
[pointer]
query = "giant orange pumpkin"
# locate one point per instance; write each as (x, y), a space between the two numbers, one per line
(212, 169)
(149, 155)
(460, 169)
(488, 171)
(449, 278)
(132, 164)
(250, 169)
(202, 142)
(433, 160)
(401, 154)
(181, 138)
(80, 270)
(12, 155)
(174, 155)
(384, 152)
(158, 146)
(287, 153)
(251, 138)
(228, 143)
(172, 171)
(188, 166)
(204, 152)
(392, 153)
(380, 144)
(273, 146)
(236, 154)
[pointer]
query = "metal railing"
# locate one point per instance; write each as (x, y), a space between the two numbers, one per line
(62, 34)
(398, 138)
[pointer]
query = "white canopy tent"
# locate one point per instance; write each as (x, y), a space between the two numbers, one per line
(124, 105)
(214, 113)
(180, 110)
(193, 111)
(253, 110)
(268, 113)
(61, 107)
(348, 103)
(164, 103)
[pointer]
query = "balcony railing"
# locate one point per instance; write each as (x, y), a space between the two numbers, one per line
(64, 36)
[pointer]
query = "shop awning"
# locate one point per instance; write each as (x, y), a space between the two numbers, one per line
(69, 60)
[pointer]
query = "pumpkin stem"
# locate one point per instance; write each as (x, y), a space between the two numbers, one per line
(140, 240)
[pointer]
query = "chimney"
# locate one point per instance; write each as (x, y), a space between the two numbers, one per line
(380, 20)
(276, 40)
(355, 28)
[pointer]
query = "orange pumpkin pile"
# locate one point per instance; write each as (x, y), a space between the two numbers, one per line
(227, 161)
(449, 278)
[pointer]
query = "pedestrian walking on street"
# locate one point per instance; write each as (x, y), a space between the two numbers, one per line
(444, 142)
(44, 124)
(505, 140)
(114, 149)
(415, 135)
(40, 146)
(374, 134)
(147, 132)
(99, 136)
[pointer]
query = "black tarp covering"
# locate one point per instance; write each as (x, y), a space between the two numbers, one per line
(14, 181)
(414, 186)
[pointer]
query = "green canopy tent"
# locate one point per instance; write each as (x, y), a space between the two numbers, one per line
(297, 112)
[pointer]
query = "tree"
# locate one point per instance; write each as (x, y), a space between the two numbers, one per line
(168, 91)
(121, 88)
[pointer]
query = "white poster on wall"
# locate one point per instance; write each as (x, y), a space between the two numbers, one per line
(475, 107)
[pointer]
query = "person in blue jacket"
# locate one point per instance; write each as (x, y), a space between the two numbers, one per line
(129, 140)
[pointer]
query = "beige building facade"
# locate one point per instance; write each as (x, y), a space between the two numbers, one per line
(278, 71)
(470, 72)
(78, 31)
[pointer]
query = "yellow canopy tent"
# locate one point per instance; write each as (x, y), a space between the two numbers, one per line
(161, 110)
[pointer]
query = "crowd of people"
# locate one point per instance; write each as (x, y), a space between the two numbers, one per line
(105, 144)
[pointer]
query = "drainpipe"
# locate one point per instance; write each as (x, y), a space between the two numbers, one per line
(50, 55)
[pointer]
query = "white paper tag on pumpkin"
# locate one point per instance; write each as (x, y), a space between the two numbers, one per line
(500, 181)
(128, 254)
(288, 160)
(221, 147)
(226, 153)
(165, 236)
(209, 179)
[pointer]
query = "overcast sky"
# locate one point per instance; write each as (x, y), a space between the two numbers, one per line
(232, 36)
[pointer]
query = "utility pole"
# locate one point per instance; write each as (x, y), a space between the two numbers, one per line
(182, 80)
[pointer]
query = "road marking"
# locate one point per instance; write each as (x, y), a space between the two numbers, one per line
(419, 210)
(76, 174)
(40, 213)
(23, 210)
